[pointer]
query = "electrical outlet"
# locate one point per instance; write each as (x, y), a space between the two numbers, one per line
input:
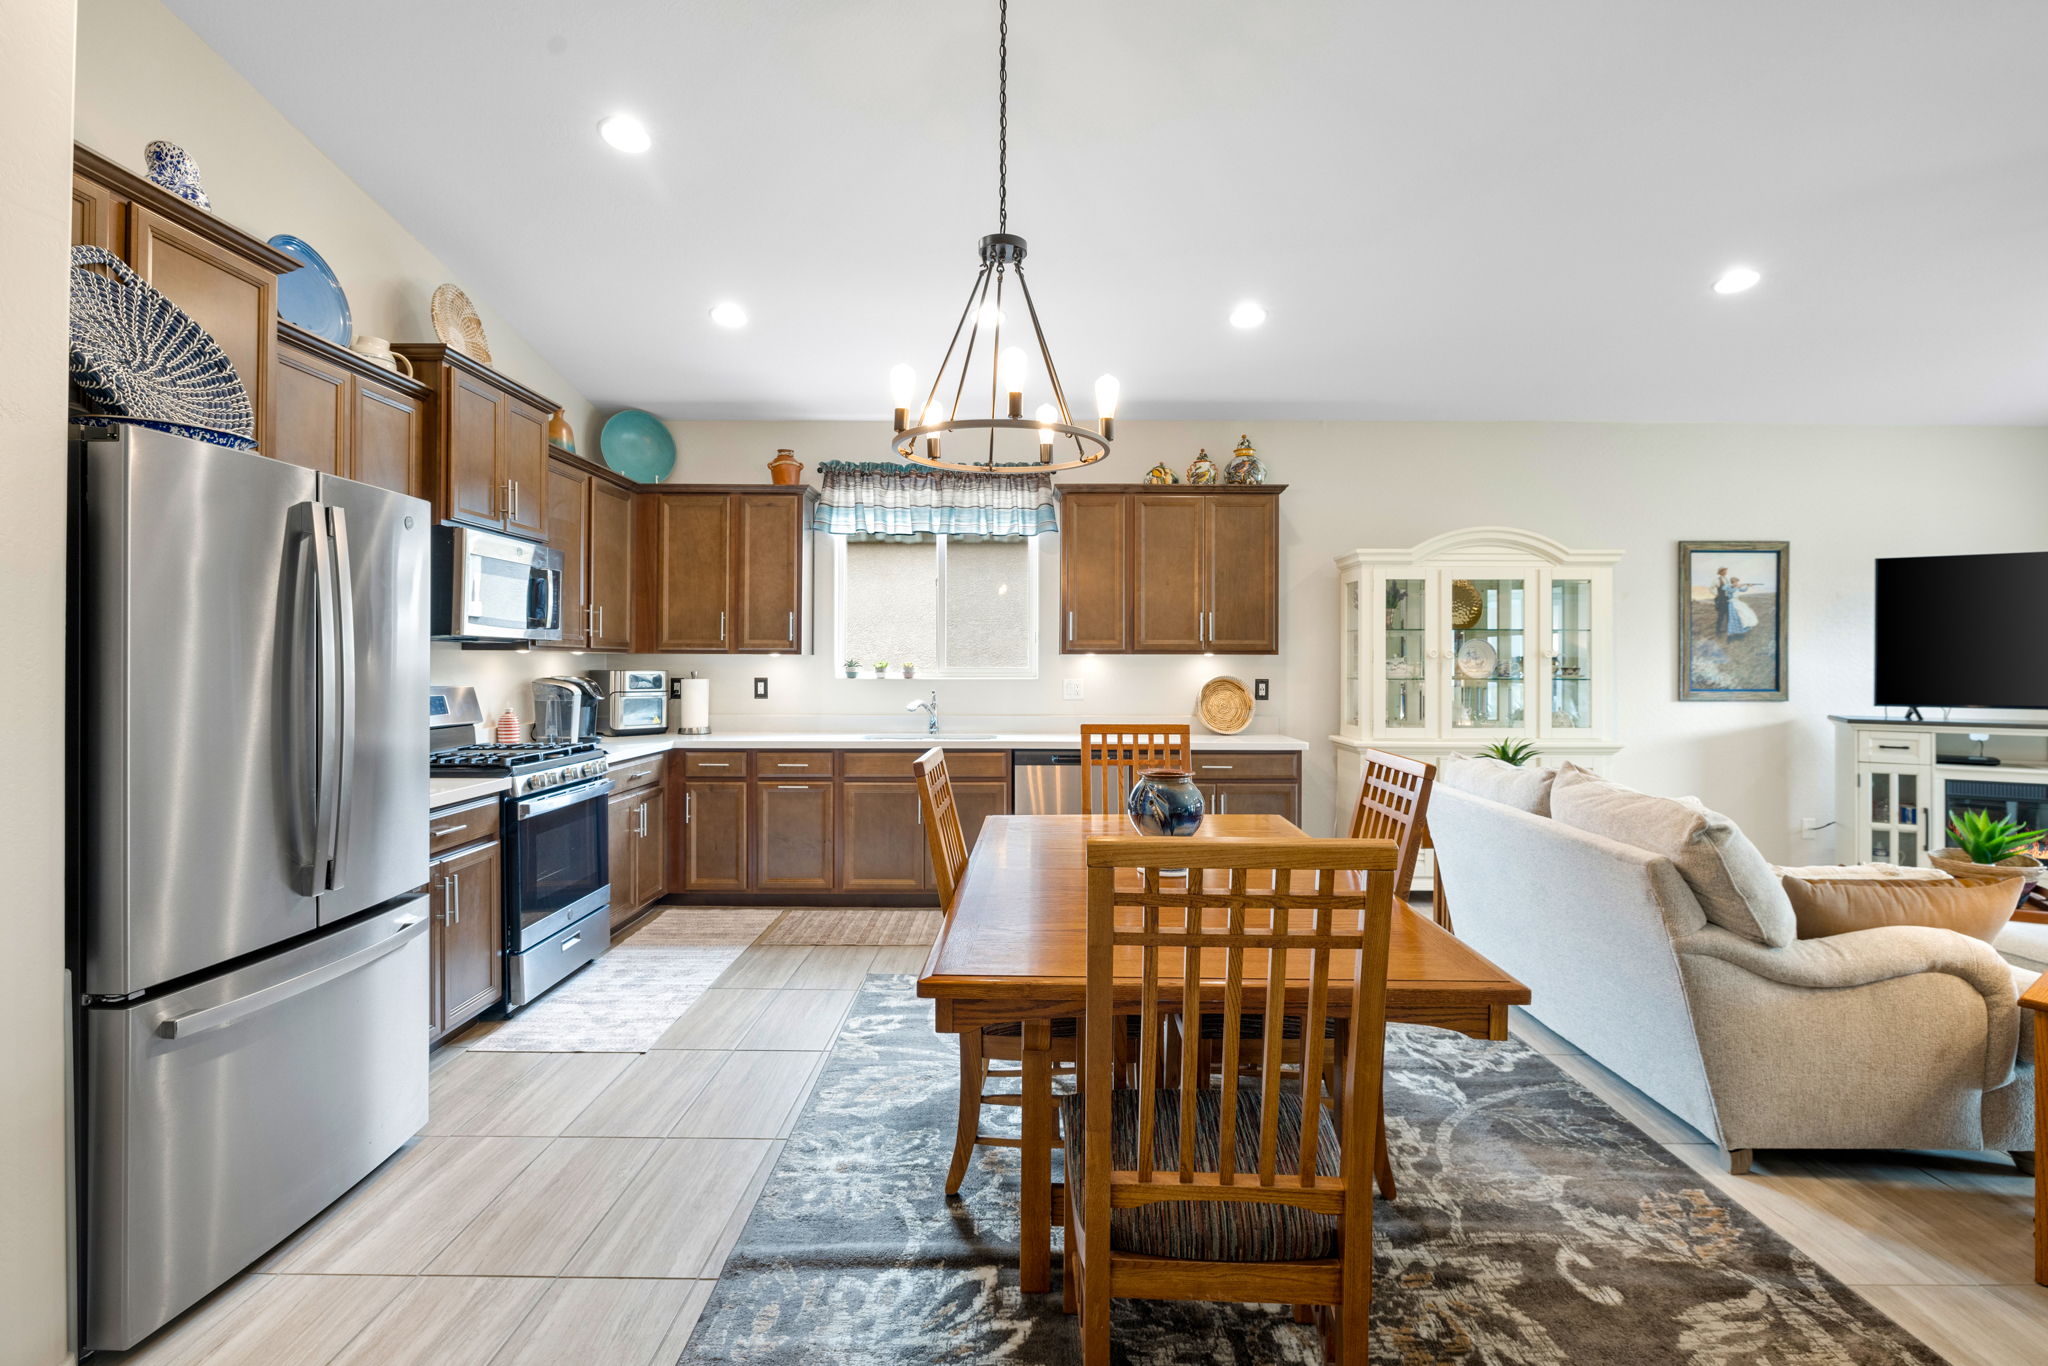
(1810, 827)
(1262, 690)
(760, 690)
(1070, 690)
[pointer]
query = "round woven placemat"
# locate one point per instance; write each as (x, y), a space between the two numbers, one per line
(1225, 705)
(457, 325)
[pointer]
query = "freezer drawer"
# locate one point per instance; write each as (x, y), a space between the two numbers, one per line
(222, 1116)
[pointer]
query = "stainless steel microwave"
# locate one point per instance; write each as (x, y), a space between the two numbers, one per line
(489, 587)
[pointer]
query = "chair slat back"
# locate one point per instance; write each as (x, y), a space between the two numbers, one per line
(1393, 804)
(941, 823)
(1267, 926)
(1113, 756)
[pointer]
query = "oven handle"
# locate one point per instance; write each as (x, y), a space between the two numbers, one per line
(555, 801)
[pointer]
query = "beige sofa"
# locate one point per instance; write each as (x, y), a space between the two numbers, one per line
(1901, 1037)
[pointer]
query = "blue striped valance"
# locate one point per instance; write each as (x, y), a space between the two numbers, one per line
(880, 499)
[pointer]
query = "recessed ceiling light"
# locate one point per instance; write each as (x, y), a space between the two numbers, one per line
(1737, 280)
(1247, 314)
(625, 132)
(729, 314)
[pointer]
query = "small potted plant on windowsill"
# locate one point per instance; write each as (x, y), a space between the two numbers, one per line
(853, 668)
(882, 669)
(1990, 846)
(909, 669)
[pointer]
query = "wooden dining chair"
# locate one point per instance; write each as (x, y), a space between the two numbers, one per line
(990, 1043)
(1253, 1194)
(1113, 756)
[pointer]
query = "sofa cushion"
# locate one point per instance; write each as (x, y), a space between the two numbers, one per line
(1861, 872)
(1525, 788)
(2024, 944)
(1735, 885)
(1978, 907)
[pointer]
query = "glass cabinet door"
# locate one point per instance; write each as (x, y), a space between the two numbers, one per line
(1352, 643)
(1893, 816)
(1570, 652)
(1489, 625)
(1404, 672)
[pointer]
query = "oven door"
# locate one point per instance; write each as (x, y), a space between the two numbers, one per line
(558, 863)
(635, 713)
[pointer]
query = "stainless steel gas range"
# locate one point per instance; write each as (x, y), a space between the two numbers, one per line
(557, 875)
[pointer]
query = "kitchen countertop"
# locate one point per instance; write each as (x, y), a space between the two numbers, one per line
(625, 748)
(449, 791)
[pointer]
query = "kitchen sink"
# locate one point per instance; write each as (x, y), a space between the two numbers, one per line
(941, 737)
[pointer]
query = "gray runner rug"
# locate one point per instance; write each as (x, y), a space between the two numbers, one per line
(1535, 1227)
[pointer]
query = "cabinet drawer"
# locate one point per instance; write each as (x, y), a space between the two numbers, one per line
(639, 773)
(782, 763)
(896, 763)
(1231, 765)
(1894, 746)
(722, 763)
(457, 826)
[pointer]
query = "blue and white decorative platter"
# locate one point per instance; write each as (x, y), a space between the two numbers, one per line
(138, 358)
(311, 297)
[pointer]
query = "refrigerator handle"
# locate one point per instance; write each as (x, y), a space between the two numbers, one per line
(308, 689)
(328, 719)
(345, 707)
(235, 1011)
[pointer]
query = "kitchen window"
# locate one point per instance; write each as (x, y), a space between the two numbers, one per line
(955, 606)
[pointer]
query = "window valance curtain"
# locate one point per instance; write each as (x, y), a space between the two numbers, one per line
(879, 499)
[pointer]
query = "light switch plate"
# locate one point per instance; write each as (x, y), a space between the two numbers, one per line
(760, 690)
(1262, 690)
(1071, 690)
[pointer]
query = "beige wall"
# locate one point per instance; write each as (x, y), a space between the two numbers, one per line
(35, 166)
(142, 75)
(1842, 496)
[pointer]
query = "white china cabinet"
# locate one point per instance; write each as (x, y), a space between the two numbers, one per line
(1484, 634)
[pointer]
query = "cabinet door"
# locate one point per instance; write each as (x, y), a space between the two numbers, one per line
(523, 461)
(473, 966)
(229, 297)
(882, 844)
(1254, 799)
(1564, 678)
(1403, 654)
(767, 572)
(439, 900)
(1095, 574)
(312, 413)
(95, 219)
(568, 517)
(388, 439)
(1241, 572)
(1489, 613)
(1890, 821)
(976, 801)
(622, 831)
(472, 479)
(693, 568)
(611, 566)
(1166, 568)
(650, 850)
(715, 837)
(794, 852)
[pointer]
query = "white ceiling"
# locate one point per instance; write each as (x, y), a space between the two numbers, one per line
(1452, 209)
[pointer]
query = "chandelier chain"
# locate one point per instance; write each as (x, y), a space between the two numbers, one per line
(1003, 117)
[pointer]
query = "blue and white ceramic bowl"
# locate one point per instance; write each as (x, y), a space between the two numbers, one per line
(172, 167)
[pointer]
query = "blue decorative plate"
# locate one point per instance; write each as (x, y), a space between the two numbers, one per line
(637, 445)
(310, 297)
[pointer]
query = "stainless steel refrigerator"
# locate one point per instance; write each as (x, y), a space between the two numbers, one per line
(250, 790)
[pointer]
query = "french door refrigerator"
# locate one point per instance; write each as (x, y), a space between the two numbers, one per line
(250, 790)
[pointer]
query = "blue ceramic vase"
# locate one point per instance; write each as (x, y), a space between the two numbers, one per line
(1165, 801)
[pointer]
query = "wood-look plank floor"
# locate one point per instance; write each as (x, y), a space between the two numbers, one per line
(573, 1209)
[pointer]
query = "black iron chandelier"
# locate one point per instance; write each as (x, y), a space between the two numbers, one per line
(1002, 255)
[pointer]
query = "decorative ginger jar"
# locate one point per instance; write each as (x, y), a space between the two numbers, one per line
(1161, 473)
(1245, 467)
(785, 468)
(1165, 801)
(1202, 470)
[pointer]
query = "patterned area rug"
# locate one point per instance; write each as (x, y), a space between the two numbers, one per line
(834, 926)
(1535, 1227)
(621, 1003)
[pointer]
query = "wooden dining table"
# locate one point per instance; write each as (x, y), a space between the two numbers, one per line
(1013, 950)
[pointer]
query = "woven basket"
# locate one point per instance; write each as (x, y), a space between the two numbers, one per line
(138, 358)
(1956, 863)
(457, 325)
(1225, 705)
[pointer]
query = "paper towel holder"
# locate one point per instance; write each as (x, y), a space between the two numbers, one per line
(684, 689)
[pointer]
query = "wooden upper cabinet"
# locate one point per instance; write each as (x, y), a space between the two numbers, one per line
(568, 533)
(1152, 570)
(95, 215)
(313, 412)
(767, 572)
(1094, 574)
(609, 537)
(342, 414)
(692, 564)
(487, 445)
(388, 436)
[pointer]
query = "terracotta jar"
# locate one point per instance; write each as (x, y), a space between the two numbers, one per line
(785, 468)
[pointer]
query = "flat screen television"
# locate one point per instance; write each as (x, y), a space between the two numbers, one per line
(1963, 631)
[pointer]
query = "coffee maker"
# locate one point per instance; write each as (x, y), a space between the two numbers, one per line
(564, 709)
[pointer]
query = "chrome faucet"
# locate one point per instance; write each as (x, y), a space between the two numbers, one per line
(931, 710)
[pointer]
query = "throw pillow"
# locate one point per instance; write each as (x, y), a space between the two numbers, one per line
(1526, 788)
(1978, 906)
(1735, 885)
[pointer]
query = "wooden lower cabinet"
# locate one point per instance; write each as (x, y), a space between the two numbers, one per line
(1277, 798)
(974, 801)
(796, 829)
(713, 843)
(881, 839)
(639, 851)
(467, 974)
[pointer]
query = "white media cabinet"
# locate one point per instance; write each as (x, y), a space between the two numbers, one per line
(1896, 781)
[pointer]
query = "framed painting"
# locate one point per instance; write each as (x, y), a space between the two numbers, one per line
(1731, 620)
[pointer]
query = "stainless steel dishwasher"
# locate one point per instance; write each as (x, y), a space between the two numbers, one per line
(1045, 782)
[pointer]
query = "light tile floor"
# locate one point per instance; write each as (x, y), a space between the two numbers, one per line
(575, 1208)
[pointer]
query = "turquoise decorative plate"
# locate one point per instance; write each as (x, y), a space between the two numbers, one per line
(310, 297)
(637, 445)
